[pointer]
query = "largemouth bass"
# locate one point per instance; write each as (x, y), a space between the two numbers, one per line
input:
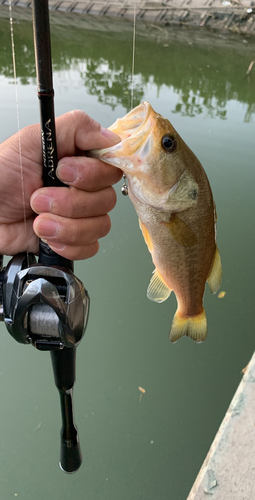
(173, 199)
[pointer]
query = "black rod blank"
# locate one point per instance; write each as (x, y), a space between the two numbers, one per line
(63, 361)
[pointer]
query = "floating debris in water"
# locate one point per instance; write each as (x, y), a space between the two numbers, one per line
(142, 391)
(38, 427)
(250, 67)
(221, 295)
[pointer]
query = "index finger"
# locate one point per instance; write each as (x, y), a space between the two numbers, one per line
(87, 174)
(78, 131)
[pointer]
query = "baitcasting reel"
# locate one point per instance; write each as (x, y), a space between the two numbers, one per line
(44, 306)
(47, 306)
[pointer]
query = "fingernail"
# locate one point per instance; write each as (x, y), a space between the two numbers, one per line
(47, 228)
(111, 136)
(66, 173)
(41, 203)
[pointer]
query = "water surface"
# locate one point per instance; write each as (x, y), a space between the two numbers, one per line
(148, 448)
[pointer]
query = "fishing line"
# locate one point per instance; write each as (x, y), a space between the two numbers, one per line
(133, 59)
(18, 123)
(124, 188)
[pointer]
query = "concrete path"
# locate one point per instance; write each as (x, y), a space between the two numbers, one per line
(228, 472)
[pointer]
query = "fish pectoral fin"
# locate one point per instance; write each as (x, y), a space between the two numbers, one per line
(215, 274)
(146, 236)
(181, 232)
(194, 327)
(157, 290)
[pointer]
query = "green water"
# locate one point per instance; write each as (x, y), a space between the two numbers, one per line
(148, 448)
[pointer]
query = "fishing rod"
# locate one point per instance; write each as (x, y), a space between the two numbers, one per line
(43, 303)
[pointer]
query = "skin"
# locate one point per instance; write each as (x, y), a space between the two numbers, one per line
(178, 226)
(72, 219)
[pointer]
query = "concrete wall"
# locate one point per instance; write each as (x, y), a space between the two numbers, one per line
(224, 15)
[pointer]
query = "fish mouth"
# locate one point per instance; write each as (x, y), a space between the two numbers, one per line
(135, 130)
(129, 125)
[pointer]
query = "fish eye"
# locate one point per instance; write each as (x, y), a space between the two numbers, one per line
(169, 143)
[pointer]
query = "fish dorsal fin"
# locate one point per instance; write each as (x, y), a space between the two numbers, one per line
(157, 290)
(181, 232)
(215, 274)
(146, 236)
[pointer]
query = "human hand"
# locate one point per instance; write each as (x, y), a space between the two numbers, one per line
(72, 219)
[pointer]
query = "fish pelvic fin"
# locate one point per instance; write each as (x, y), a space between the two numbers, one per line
(215, 274)
(157, 290)
(194, 327)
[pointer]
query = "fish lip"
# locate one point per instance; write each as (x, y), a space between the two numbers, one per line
(125, 123)
(134, 132)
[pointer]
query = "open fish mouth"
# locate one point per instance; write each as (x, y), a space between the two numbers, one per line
(136, 132)
(129, 125)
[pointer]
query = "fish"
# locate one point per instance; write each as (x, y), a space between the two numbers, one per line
(177, 216)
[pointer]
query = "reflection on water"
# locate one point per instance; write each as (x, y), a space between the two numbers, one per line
(204, 76)
(111, 83)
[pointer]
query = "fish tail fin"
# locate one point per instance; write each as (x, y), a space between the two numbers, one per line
(194, 327)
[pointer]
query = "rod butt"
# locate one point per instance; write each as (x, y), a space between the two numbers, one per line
(63, 363)
(70, 457)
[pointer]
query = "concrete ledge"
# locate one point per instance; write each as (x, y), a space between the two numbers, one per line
(224, 15)
(228, 472)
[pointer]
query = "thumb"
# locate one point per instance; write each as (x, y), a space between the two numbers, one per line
(77, 130)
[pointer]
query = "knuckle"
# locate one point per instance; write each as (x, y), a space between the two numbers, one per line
(90, 250)
(86, 232)
(81, 252)
(75, 234)
(72, 203)
(54, 206)
(78, 115)
(112, 198)
(84, 120)
(105, 225)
